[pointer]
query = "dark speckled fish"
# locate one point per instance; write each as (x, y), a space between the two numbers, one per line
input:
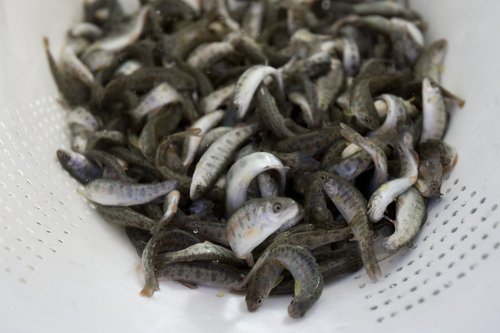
(352, 205)
(204, 273)
(302, 265)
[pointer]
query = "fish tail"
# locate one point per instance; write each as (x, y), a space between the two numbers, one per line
(369, 259)
(149, 289)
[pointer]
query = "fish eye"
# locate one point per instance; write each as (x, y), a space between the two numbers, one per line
(322, 177)
(293, 302)
(197, 188)
(277, 207)
(260, 300)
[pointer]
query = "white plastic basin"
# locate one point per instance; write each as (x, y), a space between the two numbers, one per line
(63, 269)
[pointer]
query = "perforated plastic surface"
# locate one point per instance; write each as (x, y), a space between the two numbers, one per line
(64, 269)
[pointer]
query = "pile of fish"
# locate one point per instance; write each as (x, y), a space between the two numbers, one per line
(261, 147)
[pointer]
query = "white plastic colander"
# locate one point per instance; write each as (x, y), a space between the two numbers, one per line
(63, 269)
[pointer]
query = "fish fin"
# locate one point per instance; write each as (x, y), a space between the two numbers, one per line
(189, 285)
(278, 280)
(193, 131)
(249, 260)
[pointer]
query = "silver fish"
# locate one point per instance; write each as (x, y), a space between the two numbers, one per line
(244, 170)
(116, 193)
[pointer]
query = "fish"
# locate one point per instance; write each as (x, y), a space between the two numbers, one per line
(389, 191)
(410, 215)
(205, 273)
(258, 218)
(205, 251)
(204, 124)
(430, 62)
(116, 193)
(353, 207)
(125, 216)
(303, 266)
(434, 111)
(248, 83)
(213, 162)
(244, 170)
(78, 166)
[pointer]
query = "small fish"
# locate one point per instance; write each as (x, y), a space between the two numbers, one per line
(192, 143)
(375, 151)
(161, 95)
(217, 98)
(244, 170)
(395, 118)
(311, 142)
(270, 114)
(205, 55)
(129, 35)
(74, 91)
(300, 100)
(213, 162)
(434, 111)
(86, 30)
(389, 191)
(352, 205)
(268, 186)
(329, 85)
(160, 124)
(351, 56)
(210, 138)
(205, 273)
(305, 271)
(116, 193)
(82, 117)
(78, 166)
(256, 219)
(71, 64)
(170, 208)
(247, 85)
(410, 215)
(430, 62)
(142, 80)
(125, 216)
(262, 282)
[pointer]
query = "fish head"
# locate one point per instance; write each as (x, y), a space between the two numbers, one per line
(431, 170)
(69, 160)
(370, 121)
(282, 210)
(300, 305)
(328, 181)
(197, 189)
(375, 207)
(429, 88)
